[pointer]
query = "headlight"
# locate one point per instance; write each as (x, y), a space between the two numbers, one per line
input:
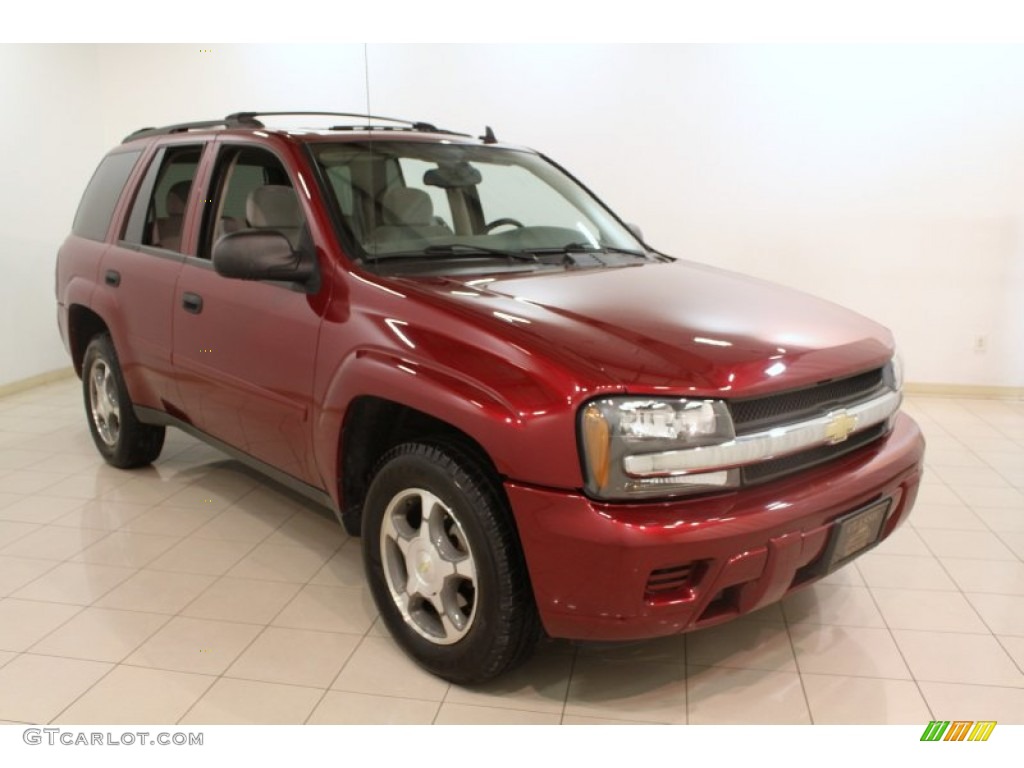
(616, 429)
(894, 373)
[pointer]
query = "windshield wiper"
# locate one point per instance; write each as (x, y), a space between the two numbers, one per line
(456, 251)
(571, 248)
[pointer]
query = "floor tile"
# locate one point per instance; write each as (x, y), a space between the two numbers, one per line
(346, 708)
(309, 529)
(101, 514)
(27, 481)
(840, 700)
(236, 524)
(295, 657)
(904, 572)
(1002, 520)
(944, 657)
(986, 496)
(86, 486)
(959, 518)
(905, 541)
(169, 521)
(12, 531)
(582, 720)
(854, 651)
(249, 702)
(246, 600)
(378, 667)
(742, 645)
(832, 604)
(343, 569)
(539, 685)
(195, 645)
(100, 634)
(745, 697)
(39, 509)
(144, 490)
(25, 622)
(16, 572)
(36, 688)
(203, 556)
(661, 650)
(156, 591)
(128, 696)
(77, 583)
(928, 610)
(1014, 645)
(641, 691)
(54, 543)
(278, 562)
(133, 550)
(329, 609)
(970, 544)
(1004, 577)
(465, 714)
(1004, 614)
(950, 701)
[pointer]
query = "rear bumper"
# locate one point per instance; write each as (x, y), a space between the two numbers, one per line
(626, 572)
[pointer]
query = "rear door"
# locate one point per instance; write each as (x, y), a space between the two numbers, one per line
(140, 270)
(245, 351)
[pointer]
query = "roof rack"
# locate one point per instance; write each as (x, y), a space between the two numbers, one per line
(249, 120)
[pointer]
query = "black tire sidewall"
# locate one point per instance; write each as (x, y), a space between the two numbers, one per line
(137, 444)
(475, 656)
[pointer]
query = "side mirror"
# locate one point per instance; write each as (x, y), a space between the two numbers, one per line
(635, 230)
(254, 254)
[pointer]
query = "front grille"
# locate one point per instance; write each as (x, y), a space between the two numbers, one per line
(757, 414)
(775, 468)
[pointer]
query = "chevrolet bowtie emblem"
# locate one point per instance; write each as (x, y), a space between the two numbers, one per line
(840, 425)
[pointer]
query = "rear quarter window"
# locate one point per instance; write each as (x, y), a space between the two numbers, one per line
(97, 207)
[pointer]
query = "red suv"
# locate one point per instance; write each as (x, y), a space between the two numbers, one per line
(536, 422)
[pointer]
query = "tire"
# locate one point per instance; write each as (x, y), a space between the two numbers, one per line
(466, 612)
(121, 439)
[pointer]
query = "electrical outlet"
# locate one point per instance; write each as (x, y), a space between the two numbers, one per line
(980, 344)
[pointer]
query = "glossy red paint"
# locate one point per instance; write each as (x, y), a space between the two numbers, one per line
(507, 359)
(590, 563)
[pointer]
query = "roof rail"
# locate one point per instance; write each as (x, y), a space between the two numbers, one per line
(249, 120)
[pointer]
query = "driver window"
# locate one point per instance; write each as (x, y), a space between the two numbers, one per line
(252, 191)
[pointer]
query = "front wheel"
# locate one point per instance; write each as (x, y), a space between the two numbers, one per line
(444, 564)
(121, 439)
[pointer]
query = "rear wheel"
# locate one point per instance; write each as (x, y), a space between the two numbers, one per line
(444, 564)
(121, 439)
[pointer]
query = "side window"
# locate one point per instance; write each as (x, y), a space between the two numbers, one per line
(158, 213)
(101, 195)
(251, 190)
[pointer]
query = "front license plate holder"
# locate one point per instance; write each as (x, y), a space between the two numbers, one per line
(853, 533)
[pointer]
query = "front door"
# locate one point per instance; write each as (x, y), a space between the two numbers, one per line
(245, 351)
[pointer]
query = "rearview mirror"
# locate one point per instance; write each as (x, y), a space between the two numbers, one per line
(452, 175)
(254, 254)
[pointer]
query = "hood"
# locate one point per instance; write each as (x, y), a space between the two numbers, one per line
(675, 327)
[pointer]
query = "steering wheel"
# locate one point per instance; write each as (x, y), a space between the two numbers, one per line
(502, 223)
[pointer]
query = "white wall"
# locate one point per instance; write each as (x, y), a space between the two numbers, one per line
(49, 144)
(888, 179)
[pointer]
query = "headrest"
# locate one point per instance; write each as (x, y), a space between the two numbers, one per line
(273, 206)
(404, 205)
(177, 197)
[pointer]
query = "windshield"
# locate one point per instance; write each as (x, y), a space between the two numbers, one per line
(410, 204)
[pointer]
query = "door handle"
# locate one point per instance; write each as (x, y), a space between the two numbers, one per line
(192, 302)
(112, 277)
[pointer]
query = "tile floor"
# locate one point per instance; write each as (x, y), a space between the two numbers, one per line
(196, 592)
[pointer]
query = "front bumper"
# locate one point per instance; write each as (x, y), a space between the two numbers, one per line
(631, 571)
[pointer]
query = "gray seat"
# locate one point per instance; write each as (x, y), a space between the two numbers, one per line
(167, 230)
(408, 213)
(275, 206)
